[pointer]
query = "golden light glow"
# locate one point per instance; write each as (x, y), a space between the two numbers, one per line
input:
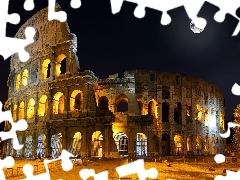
(178, 141)
(206, 117)
(15, 112)
(58, 64)
(77, 135)
(43, 105)
(199, 112)
(221, 117)
(58, 103)
(21, 111)
(30, 108)
(45, 66)
(18, 82)
(25, 77)
(76, 101)
(153, 108)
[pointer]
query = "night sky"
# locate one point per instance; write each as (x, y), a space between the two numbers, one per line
(110, 43)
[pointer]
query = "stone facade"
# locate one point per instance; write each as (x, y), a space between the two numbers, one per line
(144, 113)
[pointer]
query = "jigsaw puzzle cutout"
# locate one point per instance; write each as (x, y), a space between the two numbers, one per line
(192, 8)
(8, 162)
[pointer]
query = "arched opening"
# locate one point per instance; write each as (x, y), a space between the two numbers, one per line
(213, 145)
(199, 112)
(15, 112)
(206, 145)
(188, 112)
(178, 142)
(140, 107)
(61, 65)
(41, 146)
(103, 103)
(165, 112)
(140, 147)
(43, 106)
(152, 109)
(25, 77)
(21, 111)
(190, 144)
(178, 112)
(76, 101)
(58, 103)
(18, 81)
(30, 108)
(121, 141)
(97, 145)
(206, 118)
(221, 119)
(121, 104)
(165, 144)
(28, 146)
(199, 144)
(46, 67)
(165, 93)
(76, 144)
(19, 151)
(56, 145)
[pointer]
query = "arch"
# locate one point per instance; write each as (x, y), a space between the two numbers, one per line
(206, 145)
(165, 144)
(140, 107)
(19, 151)
(56, 145)
(103, 103)
(18, 82)
(165, 93)
(121, 103)
(140, 145)
(199, 112)
(43, 105)
(21, 114)
(199, 144)
(121, 141)
(206, 118)
(190, 144)
(30, 108)
(178, 144)
(165, 112)
(28, 146)
(46, 68)
(76, 144)
(58, 103)
(152, 108)
(188, 110)
(97, 145)
(25, 77)
(76, 101)
(41, 145)
(213, 145)
(178, 112)
(60, 65)
(15, 112)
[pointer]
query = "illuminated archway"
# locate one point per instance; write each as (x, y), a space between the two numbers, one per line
(25, 77)
(46, 67)
(21, 111)
(152, 109)
(15, 112)
(18, 82)
(221, 118)
(199, 144)
(58, 103)
(41, 145)
(28, 146)
(30, 108)
(76, 101)
(190, 144)
(121, 141)
(43, 105)
(121, 103)
(213, 120)
(76, 144)
(97, 145)
(56, 145)
(140, 107)
(199, 112)
(140, 147)
(206, 117)
(178, 142)
(103, 103)
(60, 65)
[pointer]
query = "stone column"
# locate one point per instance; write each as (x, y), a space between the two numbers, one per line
(84, 142)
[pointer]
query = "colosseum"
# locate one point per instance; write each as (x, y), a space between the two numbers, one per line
(144, 113)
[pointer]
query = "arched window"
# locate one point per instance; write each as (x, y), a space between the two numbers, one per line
(46, 67)
(140, 107)
(58, 103)
(152, 108)
(61, 65)
(15, 112)
(43, 105)
(165, 112)
(76, 101)
(178, 112)
(18, 81)
(21, 111)
(122, 103)
(30, 108)
(103, 103)
(199, 112)
(165, 93)
(25, 77)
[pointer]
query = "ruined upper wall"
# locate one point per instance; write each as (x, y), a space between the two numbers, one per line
(48, 34)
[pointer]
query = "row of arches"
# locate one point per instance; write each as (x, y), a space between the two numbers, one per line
(60, 68)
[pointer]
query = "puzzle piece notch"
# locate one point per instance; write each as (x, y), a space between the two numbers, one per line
(75, 4)
(29, 5)
(137, 167)
(87, 173)
(7, 162)
(219, 158)
(20, 125)
(227, 133)
(236, 89)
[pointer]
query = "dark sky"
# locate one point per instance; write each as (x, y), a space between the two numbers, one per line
(110, 43)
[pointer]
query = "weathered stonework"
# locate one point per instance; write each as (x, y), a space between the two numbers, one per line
(144, 113)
